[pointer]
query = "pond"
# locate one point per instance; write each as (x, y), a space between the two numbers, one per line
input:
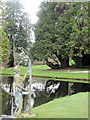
(42, 91)
(38, 94)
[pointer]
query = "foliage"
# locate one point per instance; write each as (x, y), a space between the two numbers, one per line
(23, 36)
(4, 41)
(16, 24)
(61, 31)
(71, 62)
(4, 47)
(50, 32)
(44, 32)
(80, 25)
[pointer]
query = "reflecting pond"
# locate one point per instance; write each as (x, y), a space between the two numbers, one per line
(42, 91)
(38, 94)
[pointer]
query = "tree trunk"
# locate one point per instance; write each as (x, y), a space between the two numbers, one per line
(11, 59)
(64, 61)
(51, 65)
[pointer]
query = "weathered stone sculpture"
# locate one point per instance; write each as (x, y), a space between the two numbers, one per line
(18, 90)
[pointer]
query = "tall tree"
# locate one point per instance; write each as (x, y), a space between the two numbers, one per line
(4, 41)
(49, 41)
(23, 36)
(58, 33)
(4, 47)
(80, 33)
(14, 24)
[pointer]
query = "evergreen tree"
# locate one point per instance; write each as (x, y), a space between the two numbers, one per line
(4, 47)
(4, 41)
(61, 31)
(80, 33)
(50, 43)
(14, 24)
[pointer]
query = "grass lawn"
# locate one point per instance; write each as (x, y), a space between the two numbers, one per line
(75, 106)
(43, 70)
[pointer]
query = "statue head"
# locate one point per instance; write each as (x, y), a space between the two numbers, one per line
(16, 69)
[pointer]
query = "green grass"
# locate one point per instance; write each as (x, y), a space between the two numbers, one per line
(41, 70)
(75, 106)
(7, 71)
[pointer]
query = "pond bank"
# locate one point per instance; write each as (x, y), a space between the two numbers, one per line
(74, 106)
(79, 80)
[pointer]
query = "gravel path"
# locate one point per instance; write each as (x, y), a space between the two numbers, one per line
(80, 72)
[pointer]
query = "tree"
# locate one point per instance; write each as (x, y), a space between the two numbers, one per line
(80, 23)
(16, 24)
(63, 41)
(4, 41)
(4, 47)
(50, 43)
(23, 36)
(58, 33)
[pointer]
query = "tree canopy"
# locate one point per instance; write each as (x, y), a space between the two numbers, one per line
(16, 23)
(4, 47)
(61, 31)
(4, 41)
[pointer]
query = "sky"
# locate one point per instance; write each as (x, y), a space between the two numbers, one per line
(32, 6)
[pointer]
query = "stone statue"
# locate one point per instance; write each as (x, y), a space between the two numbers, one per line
(18, 90)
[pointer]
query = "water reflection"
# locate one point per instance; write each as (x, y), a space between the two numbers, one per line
(42, 91)
(6, 86)
(38, 94)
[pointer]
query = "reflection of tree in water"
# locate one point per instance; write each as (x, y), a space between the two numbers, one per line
(80, 87)
(6, 103)
(53, 89)
(41, 98)
(10, 82)
(5, 97)
(58, 89)
(65, 88)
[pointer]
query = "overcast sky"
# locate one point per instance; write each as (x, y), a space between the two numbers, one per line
(32, 6)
